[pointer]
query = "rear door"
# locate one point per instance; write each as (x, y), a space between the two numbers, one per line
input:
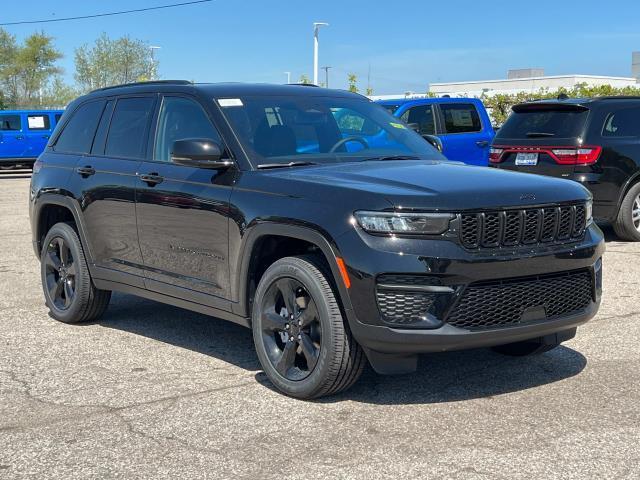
(465, 135)
(12, 139)
(106, 180)
(37, 133)
(539, 138)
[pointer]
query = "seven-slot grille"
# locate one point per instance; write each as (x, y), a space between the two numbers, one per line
(493, 229)
(502, 303)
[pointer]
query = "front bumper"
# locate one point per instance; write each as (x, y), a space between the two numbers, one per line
(453, 266)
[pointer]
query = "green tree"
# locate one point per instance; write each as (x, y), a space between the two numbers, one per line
(369, 91)
(58, 94)
(110, 62)
(26, 70)
(305, 80)
(352, 80)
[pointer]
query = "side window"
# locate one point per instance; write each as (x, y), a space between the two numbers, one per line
(460, 118)
(179, 119)
(422, 115)
(38, 122)
(129, 122)
(623, 123)
(103, 127)
(10, 123)
(78, 133)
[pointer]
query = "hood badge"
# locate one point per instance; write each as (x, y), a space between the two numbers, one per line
(527, 197)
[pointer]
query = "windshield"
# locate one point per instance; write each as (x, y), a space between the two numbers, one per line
(318, 129)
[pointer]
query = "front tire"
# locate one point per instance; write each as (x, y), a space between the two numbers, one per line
(68, 289)
(303, 343)
(627, 223)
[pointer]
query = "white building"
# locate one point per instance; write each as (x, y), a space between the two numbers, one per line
(526, 84)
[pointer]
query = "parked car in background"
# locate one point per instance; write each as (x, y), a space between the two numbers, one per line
(594, 141)
(259, 204)
(24, 134)
(462, 125)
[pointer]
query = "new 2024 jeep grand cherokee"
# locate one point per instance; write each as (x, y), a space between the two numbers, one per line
(251, 203)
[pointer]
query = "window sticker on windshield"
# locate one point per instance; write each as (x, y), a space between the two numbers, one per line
(230, 102)
(397, 125)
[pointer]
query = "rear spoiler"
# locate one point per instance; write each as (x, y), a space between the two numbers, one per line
(546, 106)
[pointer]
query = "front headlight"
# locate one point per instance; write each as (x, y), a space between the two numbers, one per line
(589, 212)
(404, 223)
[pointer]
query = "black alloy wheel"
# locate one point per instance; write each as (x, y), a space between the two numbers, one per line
(291, 331)
(60, 273)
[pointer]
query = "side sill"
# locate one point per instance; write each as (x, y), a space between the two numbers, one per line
(176, 302)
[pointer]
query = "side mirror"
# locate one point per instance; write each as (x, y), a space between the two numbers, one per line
(199, 153)
(434, 141)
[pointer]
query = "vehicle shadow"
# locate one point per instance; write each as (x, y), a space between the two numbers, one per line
(442, 377)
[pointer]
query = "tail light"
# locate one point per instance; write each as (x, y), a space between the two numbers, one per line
(577, 156)
(584, 155)
(495, 155)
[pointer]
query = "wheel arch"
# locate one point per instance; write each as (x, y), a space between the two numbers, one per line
(298, 236)
(48, 209)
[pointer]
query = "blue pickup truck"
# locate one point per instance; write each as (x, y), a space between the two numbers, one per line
(24, 134)
(462, 125)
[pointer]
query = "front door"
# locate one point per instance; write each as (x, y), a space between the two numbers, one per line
(183, 211)
(12, 141)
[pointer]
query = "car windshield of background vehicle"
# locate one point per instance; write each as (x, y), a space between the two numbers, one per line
(544, 124)
(285, 129)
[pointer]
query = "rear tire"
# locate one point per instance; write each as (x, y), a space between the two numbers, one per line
(304, 345)
(68, 289)
(627, 223)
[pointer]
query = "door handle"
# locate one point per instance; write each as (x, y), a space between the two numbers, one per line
(19, 137)
(151, 179)
(482, 143)
(86, 171)
(46, 137)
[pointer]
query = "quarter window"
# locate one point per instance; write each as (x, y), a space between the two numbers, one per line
(10, 123)
(422, 116)
(127, 133)
(180, 119)
(78, 133)
(460, 118)
(623, 123)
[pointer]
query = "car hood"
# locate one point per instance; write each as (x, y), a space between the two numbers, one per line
(433, 184)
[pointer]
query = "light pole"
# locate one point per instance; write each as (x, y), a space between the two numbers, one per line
(316, 27)
(153, 48)
(326, 76)
(288, 74)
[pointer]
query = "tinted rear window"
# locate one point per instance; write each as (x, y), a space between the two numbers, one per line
(460, 118)
(544, 123)
(78, 133)
(127, 133)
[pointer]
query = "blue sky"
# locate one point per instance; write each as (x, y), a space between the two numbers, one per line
(407, 44)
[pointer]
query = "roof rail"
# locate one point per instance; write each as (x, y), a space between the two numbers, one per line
(151, 82)
(305, 85)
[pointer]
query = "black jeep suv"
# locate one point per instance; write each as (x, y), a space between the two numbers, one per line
(594, 141)
(313, 217)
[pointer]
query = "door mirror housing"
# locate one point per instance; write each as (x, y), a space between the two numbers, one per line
(199, 153)
(434, 141)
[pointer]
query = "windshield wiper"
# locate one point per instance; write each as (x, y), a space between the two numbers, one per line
(393, 157)
(540, 134)
(283, 165)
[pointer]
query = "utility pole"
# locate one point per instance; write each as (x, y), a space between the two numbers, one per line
(288, 74)
(316, 27)
(326, 76)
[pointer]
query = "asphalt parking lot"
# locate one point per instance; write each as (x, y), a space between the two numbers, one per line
(153, 391)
